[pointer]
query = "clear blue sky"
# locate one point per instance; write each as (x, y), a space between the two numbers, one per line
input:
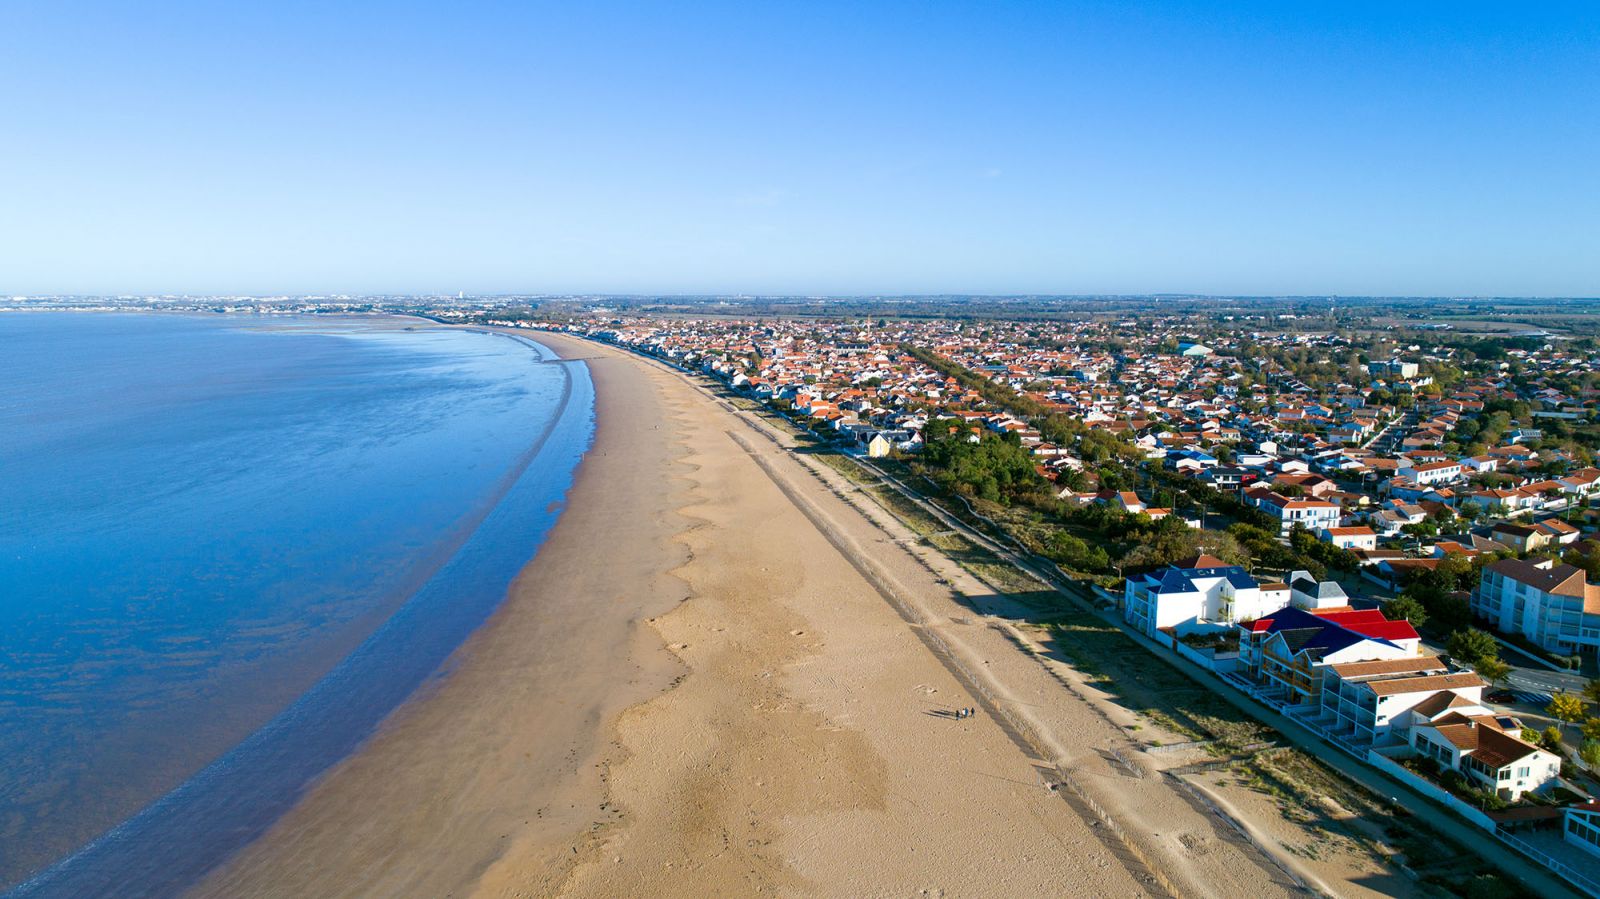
(1275, 147)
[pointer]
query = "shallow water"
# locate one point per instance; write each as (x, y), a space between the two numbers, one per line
(217, 529)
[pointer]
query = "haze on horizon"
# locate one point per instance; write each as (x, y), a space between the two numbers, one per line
(896, 148)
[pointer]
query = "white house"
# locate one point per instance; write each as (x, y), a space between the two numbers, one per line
(1199, 591)
(1429, 473)
(1484, 752)
(1582, 483)
(1312, 514)
(1312, 595)
(1360, 537)
(1580, 826)
(1377, 701)
(1393, 368)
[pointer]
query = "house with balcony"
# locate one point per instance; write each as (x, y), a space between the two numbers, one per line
(1312, 514)
(1287, 652)
(1377, 702)
(1194, 593)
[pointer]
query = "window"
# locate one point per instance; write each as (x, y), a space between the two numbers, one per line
(1523, 772)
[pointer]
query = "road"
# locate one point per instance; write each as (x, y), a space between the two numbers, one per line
(1382, 431)
(1525, 675)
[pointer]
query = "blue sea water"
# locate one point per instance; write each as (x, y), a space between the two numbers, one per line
(229, 545)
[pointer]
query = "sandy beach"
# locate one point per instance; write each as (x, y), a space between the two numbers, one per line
(725, 674)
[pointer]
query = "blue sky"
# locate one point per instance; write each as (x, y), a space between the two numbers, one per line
(813, 148)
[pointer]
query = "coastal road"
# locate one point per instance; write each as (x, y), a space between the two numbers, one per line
(1530, 677)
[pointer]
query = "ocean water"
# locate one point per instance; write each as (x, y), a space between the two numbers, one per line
(229, 545)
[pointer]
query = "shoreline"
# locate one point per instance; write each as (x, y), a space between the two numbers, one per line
(534, 686)
(175, 839)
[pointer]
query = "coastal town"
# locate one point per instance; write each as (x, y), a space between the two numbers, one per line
(1386, 535)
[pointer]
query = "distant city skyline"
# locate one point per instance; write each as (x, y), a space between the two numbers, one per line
(825, 149)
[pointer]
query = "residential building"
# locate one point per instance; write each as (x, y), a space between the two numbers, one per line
(1548, 602)
(1520, 537)
(1312, 514)
(1580, 826)
(1200, 591)
(1312, 595)
(1360, 537)
(1287, 651)
(1393, 369)
(1376, 702)
(1431, 473)
(1481, 748)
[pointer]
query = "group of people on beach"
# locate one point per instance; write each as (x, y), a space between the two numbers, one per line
(965, 713)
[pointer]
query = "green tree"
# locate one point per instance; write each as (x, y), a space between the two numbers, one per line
(1566, 708)
(1493, 670)
(1471, 646)
(1591, 690)
(1589, 752)
(1591, 729)
(1072, 552)
(1550, 740)
(1409, 608)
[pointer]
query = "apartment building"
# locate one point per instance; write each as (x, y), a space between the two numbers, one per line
(1198, 591)
(1548, 602)
(1377, 702)
(1288, 651)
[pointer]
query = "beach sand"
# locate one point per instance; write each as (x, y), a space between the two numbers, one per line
(727, 673)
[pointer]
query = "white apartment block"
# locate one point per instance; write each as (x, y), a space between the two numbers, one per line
(1549, 603)
(1377, 702)
(1432, 473)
